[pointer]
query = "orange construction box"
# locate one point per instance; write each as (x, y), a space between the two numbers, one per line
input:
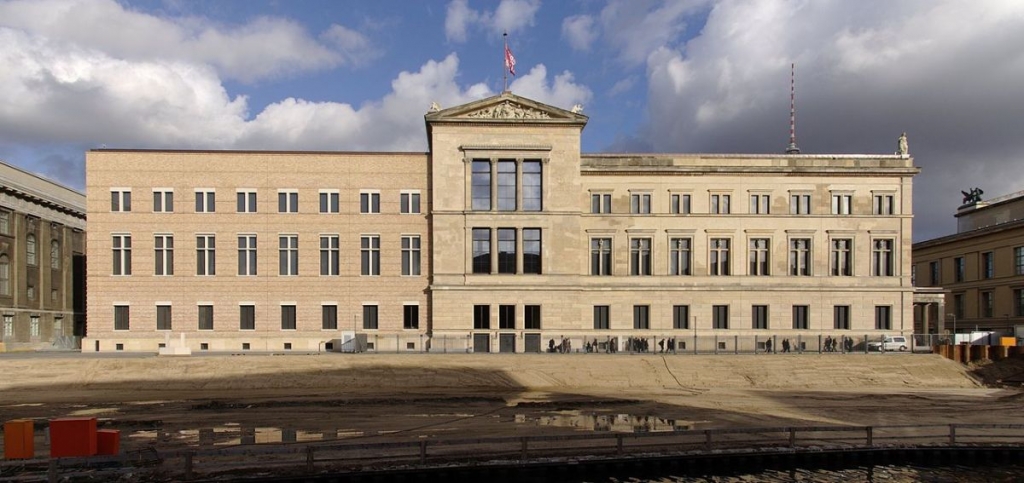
(108, 442)
(18, 439)
(72, 437)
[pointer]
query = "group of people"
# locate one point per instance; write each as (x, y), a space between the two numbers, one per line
(831, 344)
(563, 347)
(786, 345)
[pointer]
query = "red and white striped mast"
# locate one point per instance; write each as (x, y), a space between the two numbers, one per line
(792, 148)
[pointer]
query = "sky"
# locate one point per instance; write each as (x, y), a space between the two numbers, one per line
(672, 76)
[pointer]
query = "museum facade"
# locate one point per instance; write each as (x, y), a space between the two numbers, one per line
(503, 236)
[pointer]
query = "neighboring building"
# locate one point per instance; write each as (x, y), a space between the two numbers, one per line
(42, 262)
(980, 268)
(501, 237)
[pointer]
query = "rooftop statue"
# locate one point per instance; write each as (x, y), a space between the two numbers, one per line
(972, 196)
(434, 107)
(901, 145)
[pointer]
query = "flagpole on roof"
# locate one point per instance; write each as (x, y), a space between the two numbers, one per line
(504, 65)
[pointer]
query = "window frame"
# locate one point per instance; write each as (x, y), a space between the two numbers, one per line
(680, 203)
(680, 256)
(760, 203)
(760, 317)
(641, 317)
(206, 200)
(681, 317)
(600, 202)
(759, 258)
(720, 317)
(120, 200)
(248, 255)
(163, 254)
(601, 257)
(718, 265)
(801, 258)
(330, 255)
(369, 255)
(164, 317)
(369, 202)
(121, 247)
(641, 257)
(412, 257)
(371, 316)
(409, 202)
(163, 200)
(602, 317)
(410, 316)
(288, 255)
(329, 201)
(205, 317)
(719, 203)
(287, 201)
(886, 254)
(246, 200)
(206, 255)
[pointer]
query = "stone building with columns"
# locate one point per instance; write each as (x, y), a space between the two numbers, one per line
(42, 262)
(979, 269)
(502, 237)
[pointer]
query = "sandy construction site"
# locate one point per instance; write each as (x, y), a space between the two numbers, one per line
(166, 401)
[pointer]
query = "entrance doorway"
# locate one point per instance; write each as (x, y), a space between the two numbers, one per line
(506, 342)
(481, 343)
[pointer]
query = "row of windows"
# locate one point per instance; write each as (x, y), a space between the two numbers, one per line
(759, 317)
(760, 203)
(204, 317)
(31, 259)
(503, 243)
(287, 201)
(33, 327)
(986, 265)
(506, 185)
(986, 304)
(288, 255)
(883, 256)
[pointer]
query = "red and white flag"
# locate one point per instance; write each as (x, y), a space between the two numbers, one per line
(510, 61)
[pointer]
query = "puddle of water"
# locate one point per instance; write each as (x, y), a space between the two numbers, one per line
(619, 423)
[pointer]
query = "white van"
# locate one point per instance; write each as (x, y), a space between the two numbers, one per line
(890, 343)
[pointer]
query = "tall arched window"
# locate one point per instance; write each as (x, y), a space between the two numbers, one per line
(30, 249)
(55, 255)
(5, 275)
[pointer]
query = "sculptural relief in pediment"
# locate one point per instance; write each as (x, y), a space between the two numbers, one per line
(508, 110)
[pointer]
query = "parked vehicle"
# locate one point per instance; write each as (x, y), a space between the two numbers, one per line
(890, 343)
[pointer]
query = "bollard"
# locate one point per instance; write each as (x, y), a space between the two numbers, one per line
(524, 451)
(618, 443)
(423, 452)
(870, 436)
(792, 437)
(188, 466)
(309, 459)
(707, 440)
(952, 434)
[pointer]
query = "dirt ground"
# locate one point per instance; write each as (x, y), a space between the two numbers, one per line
(373, 397)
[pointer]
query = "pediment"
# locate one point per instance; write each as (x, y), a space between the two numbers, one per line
(505, 107)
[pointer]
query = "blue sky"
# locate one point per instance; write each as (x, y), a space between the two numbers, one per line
(653, 75)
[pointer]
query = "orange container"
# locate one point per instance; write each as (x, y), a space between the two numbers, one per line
(71, 437)
(18, 439)
(1007, 341)
(108, 442)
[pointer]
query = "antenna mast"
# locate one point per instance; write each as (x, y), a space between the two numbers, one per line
(792, 148)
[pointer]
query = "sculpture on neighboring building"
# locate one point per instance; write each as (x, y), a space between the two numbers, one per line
(434, 107)
(901, 145)
(972, 196)
(578, 108)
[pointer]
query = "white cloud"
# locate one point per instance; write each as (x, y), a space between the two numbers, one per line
(865, 72)
(511, 16)
(635, 28)
(622, 86)
(579, 30)
(562, 93)
(263, 47)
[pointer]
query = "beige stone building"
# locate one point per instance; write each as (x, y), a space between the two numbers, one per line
(502, 237)
(42, 262)
(980, 268)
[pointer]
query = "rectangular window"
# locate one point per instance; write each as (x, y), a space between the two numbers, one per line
(507, 250)
(206, 201)
(719, 256)
(531, 317)
(988, 265)
(409, 202)
(720, 316)
(640, 256)
(122, 248)
(411, 255)
(883, 259)
(841, 317)
(330, 201)
(163, 317)
(640, 203)
(600, 256)
(370, 317)
(506, 185)
(1018, 260)
(601, 317)
(287, 201)
(330, 255)
(533, 189)
(369, 202)
(5, 275)
(841, 204)
(759, 316)
(760, 204)
(800, 257)
(934, 268)
(720, 204)
(410, 316)
(8, 327)
(245, 201)
(641, 317)
(205, 317)
(507, 317)
(799, 204)
(883, 317)
(481, 185)
(163, 201)
(531, 250)
(1018, 302)
(329, 317)
(481, 317)
(679, 204)
(481, 250)
(247, 254)
(680, 256)
(121, 317)
(206, 255)
(958, 269)
(369, 251)
(287, 317)
(958, 305)
(163, 251)
(801, 317)
(601, 203)
(883, 205)
(33, 326)
(5, 222)
(987, 302)
(759, 258)
(288, 255)
(680, 316)
(121, 200)
(247, 317)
